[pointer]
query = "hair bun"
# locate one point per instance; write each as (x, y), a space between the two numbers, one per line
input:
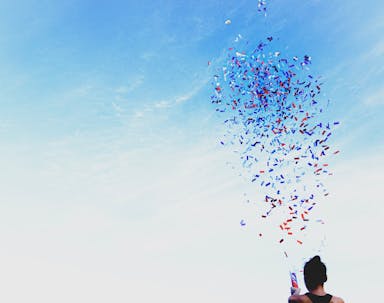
(315, 259)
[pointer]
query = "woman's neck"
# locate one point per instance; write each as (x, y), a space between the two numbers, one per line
(319, 291)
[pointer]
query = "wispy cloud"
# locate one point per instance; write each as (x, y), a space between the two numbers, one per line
(148, 55)
(191, 93)
(118, 109)
(376, 98)
(377, 51)
(130, 86)
(164, 104)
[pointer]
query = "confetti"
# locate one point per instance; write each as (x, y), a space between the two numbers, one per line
(273, 115)
(262, 6)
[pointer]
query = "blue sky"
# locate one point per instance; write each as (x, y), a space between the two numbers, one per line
(114, 184)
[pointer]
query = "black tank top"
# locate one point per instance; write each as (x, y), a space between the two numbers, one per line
(319, 299)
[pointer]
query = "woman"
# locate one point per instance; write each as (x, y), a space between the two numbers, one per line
(315, 274)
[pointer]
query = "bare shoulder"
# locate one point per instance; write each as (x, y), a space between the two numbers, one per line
(337, 300)
(300, 299)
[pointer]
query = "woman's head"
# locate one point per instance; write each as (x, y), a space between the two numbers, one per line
(315, 273)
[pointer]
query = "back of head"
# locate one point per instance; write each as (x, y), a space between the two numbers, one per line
(315, 273)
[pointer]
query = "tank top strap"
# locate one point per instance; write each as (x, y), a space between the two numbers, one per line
(319, 299)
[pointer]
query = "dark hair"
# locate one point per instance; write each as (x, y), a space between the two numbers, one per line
(315, 273)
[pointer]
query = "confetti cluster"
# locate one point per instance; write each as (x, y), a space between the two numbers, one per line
(272, 111)
(262, 6)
